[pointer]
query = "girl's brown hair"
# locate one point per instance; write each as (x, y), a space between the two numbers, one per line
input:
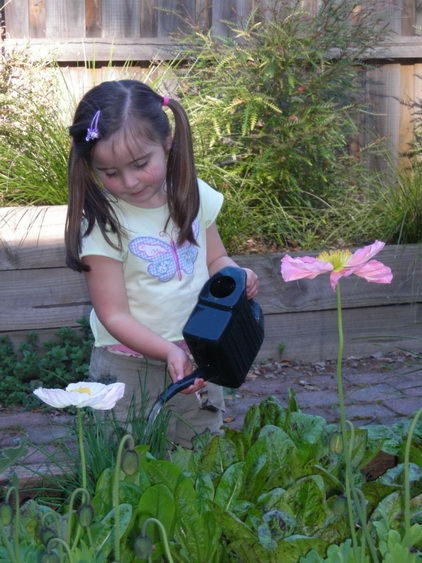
(133, 106)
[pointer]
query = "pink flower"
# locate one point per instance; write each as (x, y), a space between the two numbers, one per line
(341, 263)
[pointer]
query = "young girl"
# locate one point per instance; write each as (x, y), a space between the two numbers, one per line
(141, 226)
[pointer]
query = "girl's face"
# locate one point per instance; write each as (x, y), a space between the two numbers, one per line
(133, 172)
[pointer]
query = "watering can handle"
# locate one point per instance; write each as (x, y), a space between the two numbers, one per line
(184, 383)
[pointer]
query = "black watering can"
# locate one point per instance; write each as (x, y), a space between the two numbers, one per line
(224, 334)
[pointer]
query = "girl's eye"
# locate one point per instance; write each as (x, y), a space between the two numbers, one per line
(140, 165)
(110, 174)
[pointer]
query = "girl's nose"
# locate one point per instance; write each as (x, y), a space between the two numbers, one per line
(130, 180)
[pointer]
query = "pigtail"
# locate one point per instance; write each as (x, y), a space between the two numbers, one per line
(182, 183)
(85, 200)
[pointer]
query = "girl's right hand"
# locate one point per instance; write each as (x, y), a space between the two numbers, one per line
(179, 366)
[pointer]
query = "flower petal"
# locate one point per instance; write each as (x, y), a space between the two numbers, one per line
(335, 277)
(364, 254)
(374, 271)
(57, 398)
(305, 267)
(108, 397)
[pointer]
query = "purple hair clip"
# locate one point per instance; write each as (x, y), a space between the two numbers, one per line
(92, 132)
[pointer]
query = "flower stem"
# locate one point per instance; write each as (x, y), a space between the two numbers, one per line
(407, 480)
(348, 448)
(81, 447)
(16, 524)
(70, 516)
(63, 544)
(343, 417)
(127, 438)
(163, 535)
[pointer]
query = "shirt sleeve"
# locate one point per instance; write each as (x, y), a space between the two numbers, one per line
(96, 245)
(211, 202)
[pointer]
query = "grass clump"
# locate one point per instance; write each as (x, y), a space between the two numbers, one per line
(33, 132)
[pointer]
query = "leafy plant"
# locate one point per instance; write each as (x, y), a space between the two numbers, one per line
(57, 362)
(275, 110)
(270, 492)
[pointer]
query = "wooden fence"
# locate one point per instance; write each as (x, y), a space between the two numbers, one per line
(138, 30)
(39, 293)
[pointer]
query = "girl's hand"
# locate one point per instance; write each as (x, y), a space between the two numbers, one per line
(179, 366)
(252, 283)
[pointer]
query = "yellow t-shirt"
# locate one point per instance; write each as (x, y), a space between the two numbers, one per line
(162, 280)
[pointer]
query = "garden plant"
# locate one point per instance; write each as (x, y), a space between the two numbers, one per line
(277, 114)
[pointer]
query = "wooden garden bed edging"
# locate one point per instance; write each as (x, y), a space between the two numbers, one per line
(39, 293)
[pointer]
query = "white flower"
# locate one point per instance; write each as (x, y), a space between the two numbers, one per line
(83, 394)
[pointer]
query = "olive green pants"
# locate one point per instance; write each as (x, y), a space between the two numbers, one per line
(145, 379)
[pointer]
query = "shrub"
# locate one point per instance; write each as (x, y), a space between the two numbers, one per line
(63, 360)
(275, 112)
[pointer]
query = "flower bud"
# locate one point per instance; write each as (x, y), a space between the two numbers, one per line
(130, 462)
(340, 506)
(6, 513)
(85, 515)
(49, 557)
(142, 546)
(46, 534)
(336, 443)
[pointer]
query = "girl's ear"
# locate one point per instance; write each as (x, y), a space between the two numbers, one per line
(168, 143)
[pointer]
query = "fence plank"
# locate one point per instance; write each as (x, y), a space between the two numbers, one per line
(408, 17)
(37, 18)
(93, 18)
(383, 85)
(230, 11)
(407, 89)
(148, 20)
(65, 19)
(17, 18)
(418, 17)
(121, 19)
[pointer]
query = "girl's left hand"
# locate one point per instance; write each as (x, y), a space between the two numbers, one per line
(252, 283)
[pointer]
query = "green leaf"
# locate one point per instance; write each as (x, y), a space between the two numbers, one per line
(306, 431)
(204, 488)
(256, 473)
(103, 533)
(230, 485)
(302, 545)
(305, 500)
(162, 471)
(158, 502)
(234, 529)
(252, 425)
(192, 532)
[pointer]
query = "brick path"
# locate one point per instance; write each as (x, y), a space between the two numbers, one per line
(378, 390)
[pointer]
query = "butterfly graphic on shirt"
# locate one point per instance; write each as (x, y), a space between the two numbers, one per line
(167, 258)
